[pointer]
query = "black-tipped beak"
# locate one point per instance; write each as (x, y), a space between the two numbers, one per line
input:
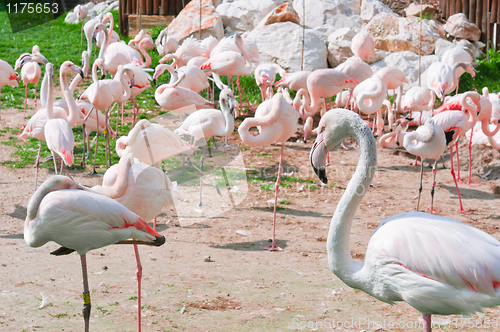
(131, 83)
(154, 81)
(318, 158)
(78, 70)
(159, 240)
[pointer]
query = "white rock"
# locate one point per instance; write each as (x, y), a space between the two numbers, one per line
(458, 26)
(443, 45)
(332, 12)
(339, 46)
(370, 8)
(415, 10)
(244, 15)
(407, 62)
(281, 43)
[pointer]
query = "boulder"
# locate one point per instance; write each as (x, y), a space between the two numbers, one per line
(244, 15)
(282, 13)
(415, 10)
(443, 45)
(337, 13)
(339, 46)
(187, 22)
(370, 8)
(396, 34)
(458, 26)
(407, 62)
(281, 43)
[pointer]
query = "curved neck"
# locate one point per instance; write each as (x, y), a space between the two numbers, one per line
(102, 51)
(68, 95)
(486, 129)
(119, 186)
(339, 254)
(110, 31)
(309, 109)
(50, 99)
(145, 54)
(248, 64)
(126, 88)
(470, 109)
(228, 117)
(493, 143)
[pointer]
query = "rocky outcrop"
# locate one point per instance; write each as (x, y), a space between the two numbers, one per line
(370, 8)
(337, 13)
(458, 26)
(339, 46)
(281, 43)
(282, 13)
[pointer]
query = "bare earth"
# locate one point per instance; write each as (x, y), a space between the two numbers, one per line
(241, 287)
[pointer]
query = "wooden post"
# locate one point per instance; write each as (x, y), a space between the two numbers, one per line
(479, 13)
(200, 20)
(303, 33)
(472, 11)
(495, 37)
(419, 48)
(488, 36)
(159, 16)
(453, 7)
(465, 7)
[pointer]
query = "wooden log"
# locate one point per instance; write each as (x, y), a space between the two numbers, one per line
(164, 7)
(149, 7)
(156, 7)
(494, 10)
(485, 22)
(479, 13)
(459, 6)
(442, 5)
(143, 7)
(130, 6)
(453, 9)
(148, 22)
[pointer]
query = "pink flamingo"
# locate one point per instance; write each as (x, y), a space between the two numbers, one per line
(134, 43)
(194, 80)
(370, 95)
(276, 120)
(189, 48)
(265, 75)
(428, 141)
(322, 83)
(141, 83)
(7, 75)
(393, 78)
(443, 79)
(208, 44)
(230, 63)
(430, 262)
(166, 44)
(308, 129)
(458, 54)
(79, 220)
(81, 14)
(418, 99)
(394, 139)
(171, 97)
(357, 70)
(30, 73)
(151, 143)
(207, 123)
(294, 81)
(455, 124)
(363, 45)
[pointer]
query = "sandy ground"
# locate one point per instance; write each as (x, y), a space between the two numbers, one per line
(241, 287)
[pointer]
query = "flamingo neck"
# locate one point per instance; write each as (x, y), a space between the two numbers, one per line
(68, 95)
(228, 117)
(486, 129)
(126, 88)
(309, 109)
(102, 51)
(339, 254)
(145, 54)
(50, 99)
(110, 31)
(248, 64)
(119, 186)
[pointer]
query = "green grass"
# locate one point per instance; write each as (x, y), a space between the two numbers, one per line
(487, 75)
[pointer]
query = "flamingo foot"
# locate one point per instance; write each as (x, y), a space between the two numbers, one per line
(465, 212)
(434, 211)
(472, 183)
(415, 163)
(342, 144)
(272, 247)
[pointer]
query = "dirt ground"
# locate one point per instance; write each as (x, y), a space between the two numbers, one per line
(212, 274)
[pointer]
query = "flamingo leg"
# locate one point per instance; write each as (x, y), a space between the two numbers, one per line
(201, 179)
(86, 294)
(434, 172)
(37, 163)
(25, 102)
(55, 162)
(35, 98)
(458, 164)
(138, 274)
(427, 323)
(84, 141)
(469, 182)
(228, 187)
(273, 246)
(416, 162)
(456, 184)
(96, 144)
(106, 133)
(242, 92)
(420, 187)
(81, 35)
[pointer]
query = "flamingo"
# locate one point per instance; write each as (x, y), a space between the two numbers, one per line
(208, 44)
(392, 78)
(102, 93)
(322, 83)
(230, 63)
(357, 70)
(194, 80)
(265, 75)
(230, 44)
(141, 83)
(394, 139)
(458, 54)
(428, 141)
(418, 99)
(142, 189)
(152, 143)
(455, 124)
(442, 79)
(7, 75)
(189, 48)
(437, 265)
(30, 72)
(206, 123)
(276, 120)
(79, 220)
(363, 45)
(134, 43)
(308, 128)
(81, 14)
(171, 96)
(166, 44)
(294, 81)
(370, 95)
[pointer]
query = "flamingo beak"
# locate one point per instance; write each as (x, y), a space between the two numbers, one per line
(318, 158)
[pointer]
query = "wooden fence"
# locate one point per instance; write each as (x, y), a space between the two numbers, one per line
(484, 13)
(150, 10)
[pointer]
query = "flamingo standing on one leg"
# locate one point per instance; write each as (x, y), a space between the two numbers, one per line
(7, 75)
(428, 141)
(81, 221)
(437, 265)
(276, 120)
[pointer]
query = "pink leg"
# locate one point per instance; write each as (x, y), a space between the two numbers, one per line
(456, 184)
(36, 165)
(242, 92)
(432, 189)
(86, 294)
(327, 158)
(273, 245)
(138, 274)
(427, 323)
(123, 111)
(416, 162)
(35, 99)
(25, 102)
(458, 164)
(469, 181)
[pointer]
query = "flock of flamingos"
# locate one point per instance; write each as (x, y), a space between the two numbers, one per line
(437, 265)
